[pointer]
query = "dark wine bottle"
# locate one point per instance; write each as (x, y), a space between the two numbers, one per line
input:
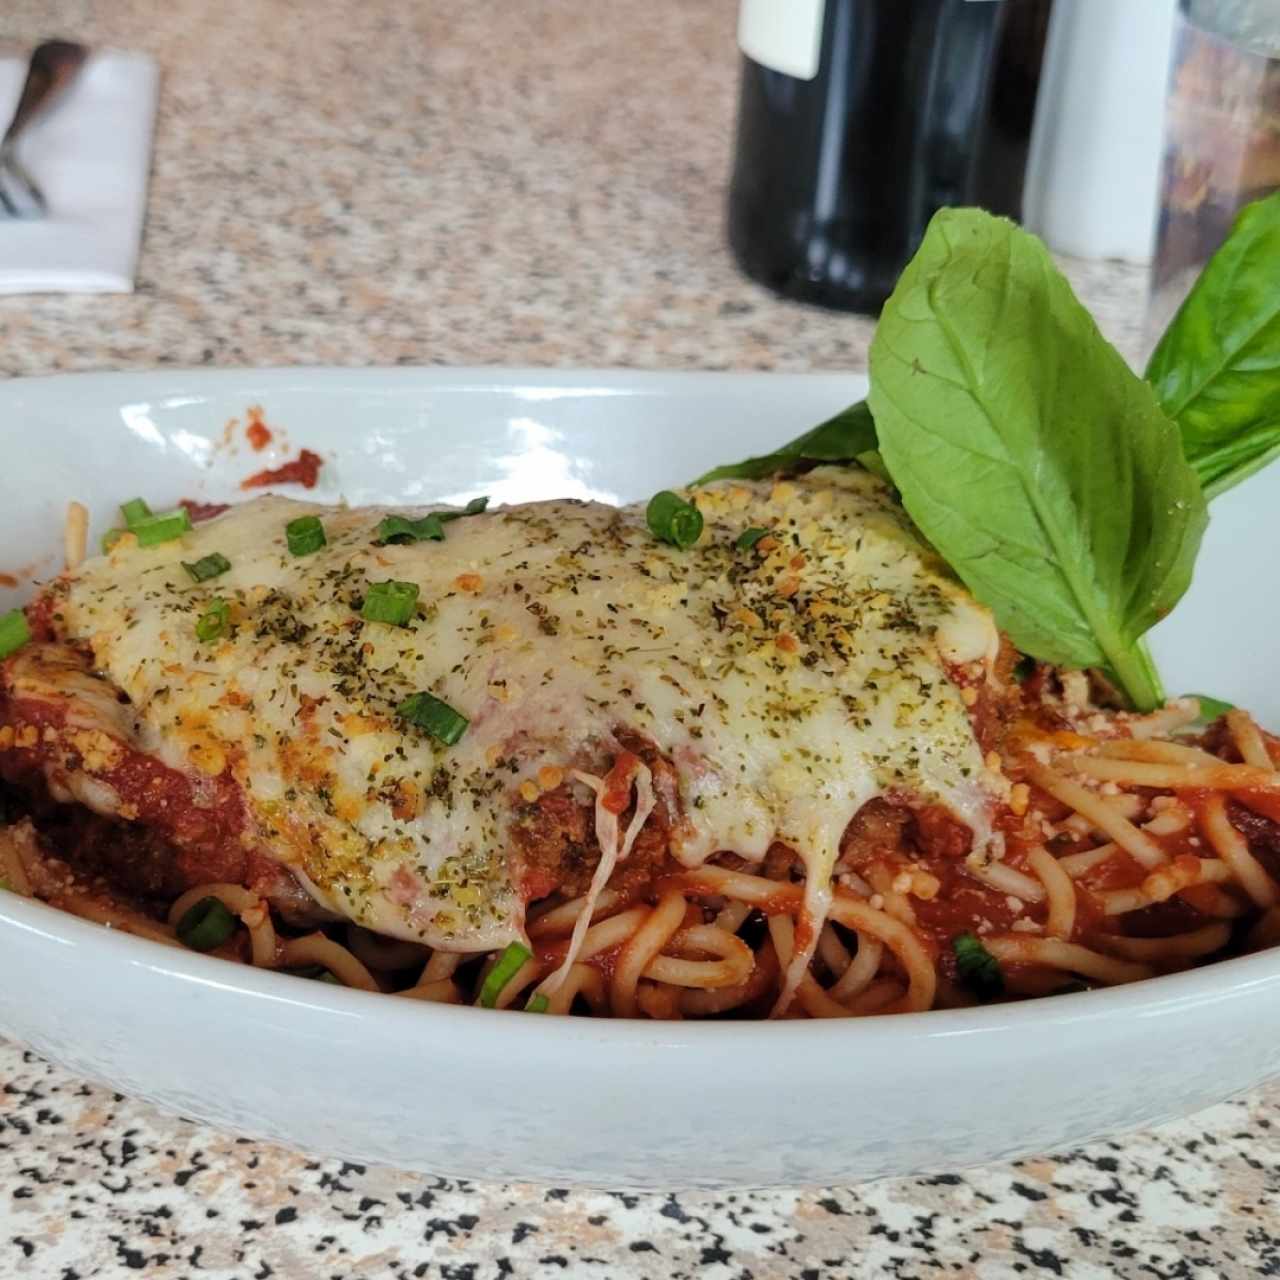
(859, 119)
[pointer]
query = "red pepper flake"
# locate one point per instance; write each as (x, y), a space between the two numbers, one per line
(257, 432)
(616, 796)
(303, 470)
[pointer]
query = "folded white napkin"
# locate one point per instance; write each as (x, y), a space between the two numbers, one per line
(90, 153)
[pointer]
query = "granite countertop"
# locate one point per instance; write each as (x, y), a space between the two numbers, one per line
(447, 182)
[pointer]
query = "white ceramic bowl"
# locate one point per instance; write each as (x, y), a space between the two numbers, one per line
(574, 1101)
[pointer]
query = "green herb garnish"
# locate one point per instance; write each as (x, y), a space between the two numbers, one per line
(1035, 461)
(402, 529)
(1067, 494)
(428, 528)
(208, 924)
(14, 632)
(1216, 370)
(848, 437)
(153, 530)
(977, 968)
(215, 622)
(473, 508)
(1211, 709)
(134, 511)
(207, 567)
(508, 964)
(672, 519)
(437, 718)
(304, 535)
(390, 602)
(749, 537)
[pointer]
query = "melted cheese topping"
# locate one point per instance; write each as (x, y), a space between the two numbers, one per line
(788, 683)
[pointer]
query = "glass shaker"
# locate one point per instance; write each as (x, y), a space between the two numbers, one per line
(1222, 138)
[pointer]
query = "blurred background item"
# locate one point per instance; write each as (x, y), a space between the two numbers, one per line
(89, 152)
(53, 66)
(858, 119)
(1222, 137)
(1094, 169)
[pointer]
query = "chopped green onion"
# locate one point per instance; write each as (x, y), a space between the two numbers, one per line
(304, 535)
(473, 508)
(402, 529)
(510, 962)
(672, 519)
(429, 527)
(134, 510)
(438, 718)
(391, 602)
(152, 530)
(976, 966)
(206, 925)
(14, 632)
(215, 622)
(207, 567)
(537, 1004)
(749, 537)
(111, 537)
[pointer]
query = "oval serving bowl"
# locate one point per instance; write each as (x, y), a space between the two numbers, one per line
(491, 1095)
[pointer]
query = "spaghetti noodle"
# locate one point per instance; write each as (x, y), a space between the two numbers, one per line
(1101, 847)
(715, 941)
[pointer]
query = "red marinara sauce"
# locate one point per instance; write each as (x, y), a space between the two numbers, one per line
(257, 432)
(303, 470)
(616, 796)
(204, 821)
(199, 511)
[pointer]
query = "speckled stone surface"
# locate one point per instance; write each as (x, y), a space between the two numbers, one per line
(422, 181)
(438, 181)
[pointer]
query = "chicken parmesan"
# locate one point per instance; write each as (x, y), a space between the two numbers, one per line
(546, 753)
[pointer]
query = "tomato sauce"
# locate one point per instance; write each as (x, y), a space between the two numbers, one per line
(41, 616)
(964, 905)
(616, 796)
(303, 470)
(1264, 803)
(200, 511)
(257, 432)
(204, 828)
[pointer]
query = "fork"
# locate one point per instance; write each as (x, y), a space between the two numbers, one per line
(52, 67)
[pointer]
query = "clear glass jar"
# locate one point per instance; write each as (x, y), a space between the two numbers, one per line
(1222, 138)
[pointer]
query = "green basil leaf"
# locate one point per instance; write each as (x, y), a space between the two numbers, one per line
(1034, 460)
(1223, 468)
(1210, 710)
(1216, 370)
(848, 437)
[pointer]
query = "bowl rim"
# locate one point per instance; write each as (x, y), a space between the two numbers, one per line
(182, 386)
